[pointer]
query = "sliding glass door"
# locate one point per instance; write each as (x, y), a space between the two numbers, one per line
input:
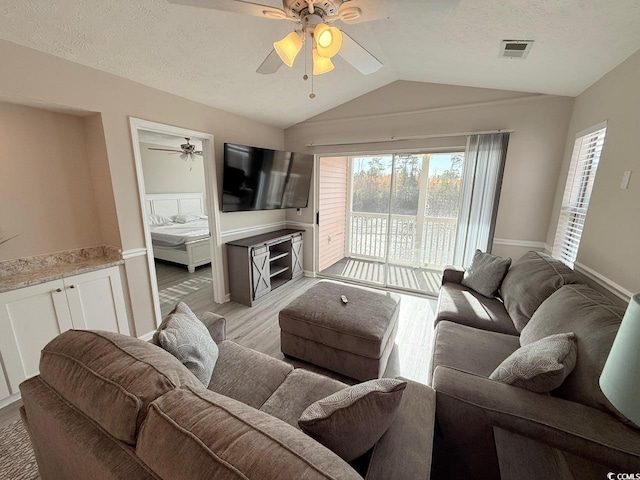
(389, 219)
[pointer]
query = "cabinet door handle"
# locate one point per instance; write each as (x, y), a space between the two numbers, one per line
(72, 286)
(58, 290)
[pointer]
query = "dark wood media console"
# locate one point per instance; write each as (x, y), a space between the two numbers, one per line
(260, 264)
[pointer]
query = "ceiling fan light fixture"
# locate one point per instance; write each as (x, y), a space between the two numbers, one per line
(288, 48)
(328, 40)
(321, 64)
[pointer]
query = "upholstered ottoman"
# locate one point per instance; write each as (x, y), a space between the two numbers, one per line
(354, 339)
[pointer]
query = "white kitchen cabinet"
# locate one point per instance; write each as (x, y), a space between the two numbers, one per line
(4, 388)
(31, 317)
(96, 301)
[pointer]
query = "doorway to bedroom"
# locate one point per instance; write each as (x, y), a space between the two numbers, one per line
(179, 215)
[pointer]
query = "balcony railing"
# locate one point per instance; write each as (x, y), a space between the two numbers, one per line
(419, 242)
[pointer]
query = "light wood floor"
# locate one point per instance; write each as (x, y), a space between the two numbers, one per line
(10, 413)
(422, 280)
(176, 284)
(257, 327)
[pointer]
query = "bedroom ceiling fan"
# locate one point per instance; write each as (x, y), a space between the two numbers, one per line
(315, 18)
(187, 151)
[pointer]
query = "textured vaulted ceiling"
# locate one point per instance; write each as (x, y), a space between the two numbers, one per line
(211, 56)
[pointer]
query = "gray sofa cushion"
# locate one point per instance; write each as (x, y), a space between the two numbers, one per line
(198, 434)
(246, 375)
(485, 273)
(470, 349)
(540, 366)
(595, 321)
(459, 304)
(299, 390)
(184, 336)
(111, 378)
(352, 420)
(530, 281)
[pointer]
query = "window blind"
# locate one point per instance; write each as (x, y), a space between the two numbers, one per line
(577, 193)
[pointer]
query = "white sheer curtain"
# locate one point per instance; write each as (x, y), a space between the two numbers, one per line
(481, 182)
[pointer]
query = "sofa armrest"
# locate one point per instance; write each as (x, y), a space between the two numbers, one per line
(404, 451)
(216, 324)
(452, 274)
(469, 406)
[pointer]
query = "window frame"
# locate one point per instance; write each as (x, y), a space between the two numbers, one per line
(583, 169)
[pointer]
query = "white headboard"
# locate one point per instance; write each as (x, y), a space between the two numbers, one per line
(169, 204)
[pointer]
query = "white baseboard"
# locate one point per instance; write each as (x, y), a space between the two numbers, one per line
(227, 297)
(603, 281)
(309, 273)
(147, 336)
(10, 399)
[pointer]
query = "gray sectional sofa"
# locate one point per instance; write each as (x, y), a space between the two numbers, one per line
(580, 431)
(107, 406)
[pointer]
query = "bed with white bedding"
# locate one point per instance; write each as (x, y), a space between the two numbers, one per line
(185, 243)
(176, 234)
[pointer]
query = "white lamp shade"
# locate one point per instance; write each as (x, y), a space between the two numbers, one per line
(288, 48)
(328, 40)
(620, 379)
(321, 64)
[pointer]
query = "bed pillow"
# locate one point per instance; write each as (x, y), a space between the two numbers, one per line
(186, 218)
(184, 336)
(485, 274)
(352, 420)
(158, 220)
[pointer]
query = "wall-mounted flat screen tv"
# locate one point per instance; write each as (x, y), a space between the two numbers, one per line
(263, 179)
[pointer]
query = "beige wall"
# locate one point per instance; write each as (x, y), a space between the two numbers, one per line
(102, 189)
(29, 75)
(46, 183)
(404, 109)
(165, 172)
(609, 244)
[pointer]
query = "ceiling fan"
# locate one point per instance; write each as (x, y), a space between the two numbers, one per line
(315, 18)
(187, 151)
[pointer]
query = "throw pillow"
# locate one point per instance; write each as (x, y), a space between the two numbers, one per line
(183, 335)
(485, 274)
(540, 366)
(351, 421)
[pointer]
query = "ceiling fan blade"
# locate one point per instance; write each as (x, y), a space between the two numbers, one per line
(166, 150)
(236, 6)
(271, 64)
(355, 54)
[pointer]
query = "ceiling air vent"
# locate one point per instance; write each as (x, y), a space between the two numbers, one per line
(515, 48)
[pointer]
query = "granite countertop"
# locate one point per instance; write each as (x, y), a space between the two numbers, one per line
(24, 272)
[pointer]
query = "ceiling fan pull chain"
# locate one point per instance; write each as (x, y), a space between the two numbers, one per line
(305, 77)
(310, 5)
(312, 95)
